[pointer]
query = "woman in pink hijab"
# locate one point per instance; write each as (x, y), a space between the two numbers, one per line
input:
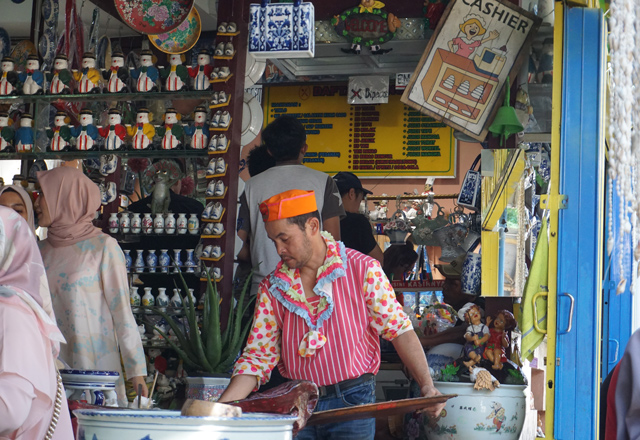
(30, 387)
(16, 198)
(88, 280)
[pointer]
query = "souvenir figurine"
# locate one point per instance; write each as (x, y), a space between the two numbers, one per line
(86, 133)
(6, 133)
(143, 132)
(60, 134)
(9, 78)
(60, 77)
(32, 79)
(117, 75)
(87, 79)
(171, 131)
(476, 335)
(176, 76)
(24, 134)
(199, 131)
(501, 322)
(147, 74)
(201, 72)
(115, 132)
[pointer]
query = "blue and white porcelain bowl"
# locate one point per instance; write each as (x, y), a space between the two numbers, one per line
(84, 377)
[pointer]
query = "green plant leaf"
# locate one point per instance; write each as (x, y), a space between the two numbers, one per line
(182, 339)
(185, 357)
(214, 346)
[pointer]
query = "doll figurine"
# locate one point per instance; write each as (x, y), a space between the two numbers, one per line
(24, 134)
(32, 79)
(501, 322)
(9, 78)
(60, 134)
(117, 75)
(143, 132)
(115, 132)
(171, 131)
(199, 131)
(147, 74)
(176, 76)
(476, 335)
(201, 72)
(86, 133)
(88, 79)
(6, 133)
(60, 77)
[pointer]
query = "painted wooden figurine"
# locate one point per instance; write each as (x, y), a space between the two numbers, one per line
(9, 78)
(171, 131)
(176, 77)
(24, 134)
(147, 74)
(86, 133)
(142, 132)
(198, 132)
(117, 76)
(6, 133)
(476, 335)
(32, 78)
(60, 133)
(201, 72)
(60, 77)
(501, 322)
(88, 78)
(115, 132)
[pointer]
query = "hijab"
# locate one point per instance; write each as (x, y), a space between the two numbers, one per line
(26, 199)
(72, 199)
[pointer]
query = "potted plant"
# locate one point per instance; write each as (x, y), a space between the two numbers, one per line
(206, 350)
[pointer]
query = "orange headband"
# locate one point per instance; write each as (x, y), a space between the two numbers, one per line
(288, 204)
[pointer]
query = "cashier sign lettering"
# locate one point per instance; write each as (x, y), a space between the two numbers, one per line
(499, 12)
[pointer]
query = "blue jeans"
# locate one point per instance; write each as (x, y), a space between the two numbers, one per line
(363, 429)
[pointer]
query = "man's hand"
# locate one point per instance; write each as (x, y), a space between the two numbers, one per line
(434, 409)
(139, 380)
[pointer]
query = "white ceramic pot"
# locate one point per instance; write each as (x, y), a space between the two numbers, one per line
(170, 425)
(206, 388)
(479, 414)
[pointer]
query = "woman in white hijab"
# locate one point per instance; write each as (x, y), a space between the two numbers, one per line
(16, 198)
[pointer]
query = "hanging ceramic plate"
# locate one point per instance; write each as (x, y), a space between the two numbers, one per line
(21, 52)
(47, 47)
(50, 9)
(254, 70)
(103, 52)
(5, 43)
(251, 119)
(153, 16)
(182, 38)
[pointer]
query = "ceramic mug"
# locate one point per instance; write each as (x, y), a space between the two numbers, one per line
(471, 272)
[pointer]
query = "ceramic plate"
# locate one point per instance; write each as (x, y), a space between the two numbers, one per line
(5, 43)
(252, 119)
(253, 70)
(182, 38)
(21, 52)
(153, 16)
(50, 9)
(89, 376)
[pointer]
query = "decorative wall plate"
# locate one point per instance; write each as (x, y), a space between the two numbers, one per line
(154, 16)
(252, 118)
(182, 38)
(253, 70)
(5, 43)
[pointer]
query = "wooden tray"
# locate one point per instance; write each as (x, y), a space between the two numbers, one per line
(375, 409)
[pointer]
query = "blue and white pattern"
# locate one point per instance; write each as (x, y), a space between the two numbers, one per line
(469, 196)
(471, 272)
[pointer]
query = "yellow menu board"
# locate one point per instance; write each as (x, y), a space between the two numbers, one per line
(378, 140)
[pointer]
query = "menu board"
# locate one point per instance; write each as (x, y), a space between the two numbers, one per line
(379, 140)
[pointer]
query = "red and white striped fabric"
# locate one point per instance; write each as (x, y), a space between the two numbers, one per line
(364, 308)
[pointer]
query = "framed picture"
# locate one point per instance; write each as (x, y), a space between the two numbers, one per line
(476, 46)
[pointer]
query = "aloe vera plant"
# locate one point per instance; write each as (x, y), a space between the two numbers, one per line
(209, 350)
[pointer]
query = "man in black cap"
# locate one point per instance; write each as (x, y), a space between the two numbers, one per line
(355, 229)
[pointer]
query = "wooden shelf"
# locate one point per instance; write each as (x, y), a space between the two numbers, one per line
(218, 197)
(228, 34)
(220, 80)
(221, 104)
(210, 220)
(214, 152)
(225, 57)
(213, 236)
(211, 176)
(212, 259)
(221, 128)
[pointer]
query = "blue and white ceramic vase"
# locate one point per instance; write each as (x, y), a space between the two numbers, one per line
(128, 261)
(176, 299)
(177, 263)
(190, 263)
(152, 260)
(164, 260)
(193, 224)
(134, 296)
(148, 300)
(139, 261)
(471, 272)
(162, 300)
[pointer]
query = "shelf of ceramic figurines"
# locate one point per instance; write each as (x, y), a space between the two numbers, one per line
(205, 95)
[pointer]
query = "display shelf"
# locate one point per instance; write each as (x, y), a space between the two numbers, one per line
(221, 104)
(217, 280)
(217, 197)
(126, 237)
(158, 272)
(222, 128)
(221, 80)
(228, 34)
(211, 220)
(214, 236)
(211, 258)
(108, 97)
(211, 176)
(225, 57)
(70, 155)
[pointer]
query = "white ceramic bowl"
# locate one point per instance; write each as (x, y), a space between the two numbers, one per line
(479, 414)
(170, 425)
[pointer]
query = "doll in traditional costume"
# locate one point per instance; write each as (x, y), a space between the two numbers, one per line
(60, 133)
(201, 72)
(32, 78)
(476, 335)
(6, 133)
(88, 78)
(147, 74)
(142, 132)
(501, 322)
(115, 132)
(86, 133)
(117, 75)
(9, 78)
(198, 132)
(171, 131)
(24, 134)
(60, 77)
(175, 77)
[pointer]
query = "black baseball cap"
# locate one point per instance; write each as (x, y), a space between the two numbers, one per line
(346, 180)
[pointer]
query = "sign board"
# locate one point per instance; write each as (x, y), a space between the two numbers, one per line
(402, 80)
(460, 77)
(368, 90)
(417, 285)
(377, 140)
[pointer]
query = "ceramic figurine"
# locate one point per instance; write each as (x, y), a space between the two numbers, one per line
(24, 134)
(60, 133)
(9, 79)
(117, 76)
(141, 330)
(6, 134)
(87, 79)
(501, 322)
(176, 77)
(198, 132)
(160, 198)
(60, 77)
(115, 132)
(147, 74)
(32, 78)
(476, 335)
(201, 72)
(86, 133)
(171, 131)
(143, 132)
